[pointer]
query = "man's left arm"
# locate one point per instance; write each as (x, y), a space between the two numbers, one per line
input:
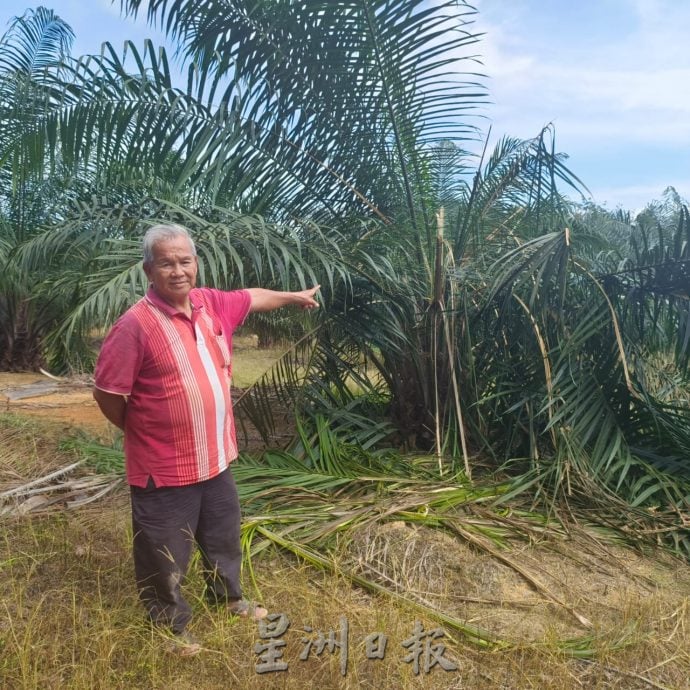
(268, 300)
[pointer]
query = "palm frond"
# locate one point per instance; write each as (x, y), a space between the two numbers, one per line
(34, 41)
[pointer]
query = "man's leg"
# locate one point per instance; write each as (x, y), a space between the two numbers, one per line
(164, 521)
(218, 536)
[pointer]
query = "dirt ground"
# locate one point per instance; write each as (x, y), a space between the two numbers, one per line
(70, 400)
(67, 400)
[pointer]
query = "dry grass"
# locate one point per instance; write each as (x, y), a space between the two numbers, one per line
(70, 618)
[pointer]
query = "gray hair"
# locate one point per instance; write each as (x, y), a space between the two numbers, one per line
(161, 233)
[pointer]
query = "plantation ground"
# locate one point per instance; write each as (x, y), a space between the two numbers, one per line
(71, 616)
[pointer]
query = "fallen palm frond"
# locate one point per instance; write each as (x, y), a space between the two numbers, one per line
(483, 544)
(309, 511)
(43, 493)
(471, 632)
(26, 488)
(307, 523)
(366, 516)
(68, 486)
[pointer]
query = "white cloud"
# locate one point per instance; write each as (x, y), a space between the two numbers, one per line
(642, 107)
(636, 197)
(612, 78)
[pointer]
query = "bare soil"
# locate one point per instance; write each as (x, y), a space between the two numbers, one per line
(68, 401)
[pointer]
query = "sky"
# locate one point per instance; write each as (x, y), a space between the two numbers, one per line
(611, 76)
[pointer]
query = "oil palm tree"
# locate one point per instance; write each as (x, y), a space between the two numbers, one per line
(493, 327)
(242, 137)
(30, 54)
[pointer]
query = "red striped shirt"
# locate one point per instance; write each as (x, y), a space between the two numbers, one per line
(175, 372)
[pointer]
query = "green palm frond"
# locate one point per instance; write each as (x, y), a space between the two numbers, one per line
(34, 41)
(652, 282)
(564, 387)
(365, 81)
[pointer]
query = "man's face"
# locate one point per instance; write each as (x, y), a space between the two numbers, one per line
(173, 270)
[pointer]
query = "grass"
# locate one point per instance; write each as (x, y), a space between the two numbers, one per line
(71, 619)
(249, 362)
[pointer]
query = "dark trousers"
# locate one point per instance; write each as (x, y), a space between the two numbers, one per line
(166, 523)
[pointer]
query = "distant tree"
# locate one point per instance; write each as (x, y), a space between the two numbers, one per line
(31, 52)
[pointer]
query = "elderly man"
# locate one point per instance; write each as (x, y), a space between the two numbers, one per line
(163, 376)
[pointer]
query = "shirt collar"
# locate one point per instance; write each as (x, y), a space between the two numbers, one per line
(155, 299)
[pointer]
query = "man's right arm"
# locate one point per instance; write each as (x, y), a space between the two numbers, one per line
(113, 406)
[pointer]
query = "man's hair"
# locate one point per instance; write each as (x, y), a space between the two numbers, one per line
(161, 233)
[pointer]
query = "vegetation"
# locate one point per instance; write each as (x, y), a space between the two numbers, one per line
(482, 315)
(521, 600)
(473, 314)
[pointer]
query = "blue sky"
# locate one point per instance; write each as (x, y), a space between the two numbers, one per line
(611, 75)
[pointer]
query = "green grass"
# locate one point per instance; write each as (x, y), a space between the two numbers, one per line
(249, 362)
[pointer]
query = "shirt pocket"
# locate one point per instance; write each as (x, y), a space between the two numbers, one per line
(223, 349)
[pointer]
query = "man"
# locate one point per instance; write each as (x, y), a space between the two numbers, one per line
(163, 377)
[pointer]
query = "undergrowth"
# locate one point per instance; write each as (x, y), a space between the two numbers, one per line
(71, 617)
